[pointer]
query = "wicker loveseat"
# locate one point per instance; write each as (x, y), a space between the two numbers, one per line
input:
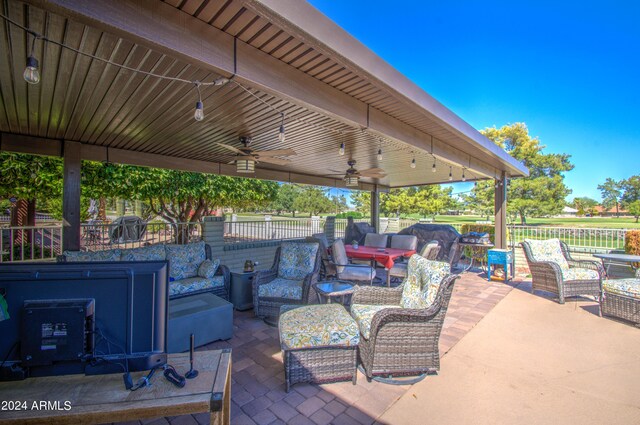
(400, 327)
(191, 269)
(554, 270)
(289, 281)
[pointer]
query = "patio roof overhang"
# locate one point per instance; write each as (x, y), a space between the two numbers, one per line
(285, 55)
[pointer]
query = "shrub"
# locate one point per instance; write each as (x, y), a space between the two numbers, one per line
(38, 252)
(632, 243)
(352, 214)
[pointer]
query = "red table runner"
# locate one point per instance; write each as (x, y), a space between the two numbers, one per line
(384, 257)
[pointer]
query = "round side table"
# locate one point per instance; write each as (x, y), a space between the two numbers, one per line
(333, 289)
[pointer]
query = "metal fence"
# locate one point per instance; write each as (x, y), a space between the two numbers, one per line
(28, 243)
(251, 231)
(44, 242)
(579, 239)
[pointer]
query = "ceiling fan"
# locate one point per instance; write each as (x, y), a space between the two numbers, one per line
(245, 158)
(351, 176)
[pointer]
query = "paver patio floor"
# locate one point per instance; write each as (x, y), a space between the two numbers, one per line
(257, 387)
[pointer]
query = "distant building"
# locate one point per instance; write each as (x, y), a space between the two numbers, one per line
(569, 212)
(611, 212)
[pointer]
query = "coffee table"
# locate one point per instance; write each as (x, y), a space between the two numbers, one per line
(609, 259)
(330, 289)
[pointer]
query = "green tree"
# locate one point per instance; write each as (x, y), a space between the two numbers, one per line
(634, 209)
(361, 200)
(630, 190)
(584, 204)
(285, 199)
(610, 192)
(313, 200)
(544, 191)
(431, 199)
(339, 203)
(397, 202)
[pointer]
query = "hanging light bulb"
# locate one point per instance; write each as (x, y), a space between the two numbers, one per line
(464, 178)
(379, 154)
(413, 163)
(341, 151)
(282, 136)
(199, 112)
(450, 175)
(31, 74)
(433, 167)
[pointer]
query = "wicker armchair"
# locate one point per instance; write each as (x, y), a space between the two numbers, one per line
(290, 280)
(402, 339)
(559, 273)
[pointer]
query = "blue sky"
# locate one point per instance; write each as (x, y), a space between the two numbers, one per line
(569, 70)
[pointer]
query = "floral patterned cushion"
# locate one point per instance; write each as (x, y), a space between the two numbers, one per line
(281, 288)
(297, 260)
(208, 268)
(422, 282)
(145, 253)
(184, 260)
(577, 273)
(363, 315)
(193, 284)
(317, 326)
(82, 256)
(625, 287)
(548, 250)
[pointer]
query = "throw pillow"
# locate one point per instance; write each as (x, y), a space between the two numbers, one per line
(208, 268)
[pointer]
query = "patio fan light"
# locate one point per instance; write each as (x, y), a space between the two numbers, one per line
(351, 181)
(245, 166)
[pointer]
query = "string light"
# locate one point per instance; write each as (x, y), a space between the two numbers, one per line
(450, 174)
(282, 136)
(199, 112)
(433, 167)
(413, 161)
(464, 178)
(341, 151)
(379, 154)
(31, 74)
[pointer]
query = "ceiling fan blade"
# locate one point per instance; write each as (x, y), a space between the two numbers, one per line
(276, 161)
(276, 152)
(374, 175)
(332, 175)
(231, 148)
(335, 171)
(243, 156)
(372, 170)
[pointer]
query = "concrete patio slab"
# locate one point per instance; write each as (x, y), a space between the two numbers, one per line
(533, 361)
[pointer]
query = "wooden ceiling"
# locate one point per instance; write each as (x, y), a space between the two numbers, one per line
(100, 105)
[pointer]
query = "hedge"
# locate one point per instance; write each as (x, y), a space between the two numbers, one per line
(632, 243)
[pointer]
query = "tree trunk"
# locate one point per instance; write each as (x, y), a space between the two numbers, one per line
(523, 219)
(102, 209)
(618, 211)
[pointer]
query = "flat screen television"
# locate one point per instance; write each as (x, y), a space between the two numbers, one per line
(129, 302)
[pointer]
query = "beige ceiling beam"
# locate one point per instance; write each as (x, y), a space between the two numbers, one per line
(164, 28)
(52, 147)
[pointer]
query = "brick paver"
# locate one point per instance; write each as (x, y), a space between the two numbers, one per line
(258, 395)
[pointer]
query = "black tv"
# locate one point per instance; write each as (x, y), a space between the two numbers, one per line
(130, 302)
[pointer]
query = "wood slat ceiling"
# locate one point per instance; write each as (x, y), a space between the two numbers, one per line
(87, 100)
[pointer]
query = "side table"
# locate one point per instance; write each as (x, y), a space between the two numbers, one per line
(330, 289)
(503, 257)
(241, 290)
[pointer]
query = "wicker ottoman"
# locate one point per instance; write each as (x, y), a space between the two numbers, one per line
(319, 344)
(622, 299)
